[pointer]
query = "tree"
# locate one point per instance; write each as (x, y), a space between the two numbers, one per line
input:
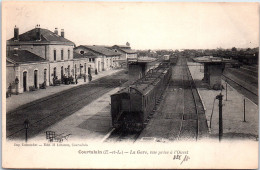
(234, 49)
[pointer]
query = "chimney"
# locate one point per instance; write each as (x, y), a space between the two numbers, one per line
(38, 33)
(62, 33)
(56, 31)
(16, 33)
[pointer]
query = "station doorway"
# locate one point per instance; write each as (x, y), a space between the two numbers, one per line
(45, 76)
(24, 80)
(36, 78)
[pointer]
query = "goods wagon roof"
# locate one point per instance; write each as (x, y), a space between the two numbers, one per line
(146, 84)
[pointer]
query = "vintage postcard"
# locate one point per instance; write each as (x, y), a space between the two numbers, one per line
(130, 85)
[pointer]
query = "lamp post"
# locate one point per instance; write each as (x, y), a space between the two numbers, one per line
(220, 98)
(244, 110)
(16, 84)
(26, 126)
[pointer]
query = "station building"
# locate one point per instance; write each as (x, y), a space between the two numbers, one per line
(38, 56)
(22, 63)
(125, 51)
(100, 57)
(81, 63)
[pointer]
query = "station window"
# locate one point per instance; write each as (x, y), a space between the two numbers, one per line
(54, 55)
(68, 54)
(61, 54)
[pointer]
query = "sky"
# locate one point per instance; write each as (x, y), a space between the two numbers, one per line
(145, 25)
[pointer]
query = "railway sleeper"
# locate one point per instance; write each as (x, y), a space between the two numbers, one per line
(190, 117)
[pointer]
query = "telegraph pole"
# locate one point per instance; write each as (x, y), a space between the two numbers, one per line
(220, 98)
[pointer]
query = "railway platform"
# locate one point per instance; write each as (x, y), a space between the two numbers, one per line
(27, 98)
(234, 126)
(44, 113)
(91, 123)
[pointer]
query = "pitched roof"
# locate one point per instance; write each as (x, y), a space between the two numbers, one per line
(122, 46)
(86, 55)
(9, 62)
(128, 51)
(47, 36)
(147, 83)
(142, 60)
(23, 56)
(211, 59)
(100, 50)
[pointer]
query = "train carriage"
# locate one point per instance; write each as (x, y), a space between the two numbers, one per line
(131, 106)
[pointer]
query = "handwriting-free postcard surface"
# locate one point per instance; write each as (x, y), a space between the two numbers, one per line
(130, 85)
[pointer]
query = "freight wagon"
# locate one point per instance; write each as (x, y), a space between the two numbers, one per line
(131, 106)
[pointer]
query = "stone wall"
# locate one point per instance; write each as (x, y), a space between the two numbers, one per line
(67, 52)
(66, 66)
(134, 72)
(10, 75)
(215, 73)
(40, 50)
(47, 51)
(82, 66)
(29, 70)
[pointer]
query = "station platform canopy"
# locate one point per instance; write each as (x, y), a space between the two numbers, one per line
(138, 67)
(211, 59)
(141, 60)
(213, 69)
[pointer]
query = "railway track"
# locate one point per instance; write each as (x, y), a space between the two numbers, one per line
(121, 135)
(118, 135)
(190, 122)
(169, 121)
(57, 112)
(244, 76)
(253, 96)
(249, 71)
(181, 115)
(253, 68)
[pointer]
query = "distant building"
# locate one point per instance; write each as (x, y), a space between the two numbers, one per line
(100, 57)
(166, 57)
(39, 56)
(125, 51)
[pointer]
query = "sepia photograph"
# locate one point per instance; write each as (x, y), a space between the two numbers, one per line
(130, 85)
